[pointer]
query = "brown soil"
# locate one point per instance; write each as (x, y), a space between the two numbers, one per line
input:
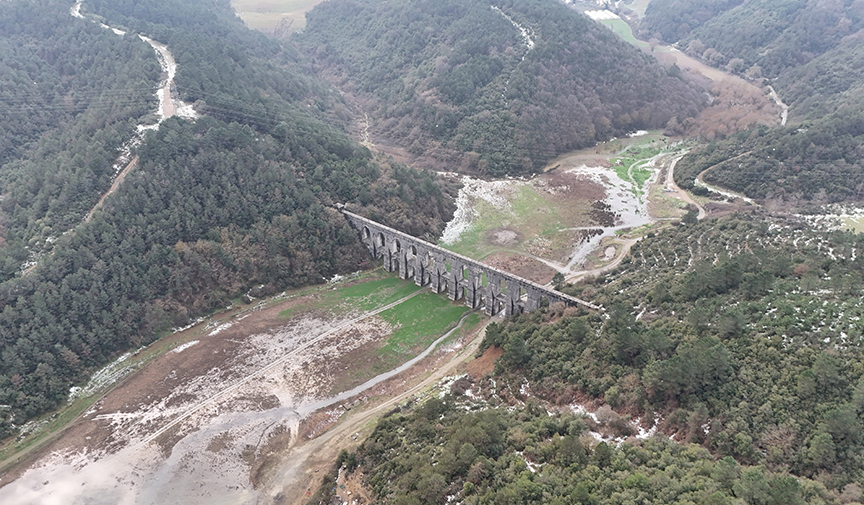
(116, 184)
(214, 402)
(301, 470)
(485, 364)
(569, 187)
(523, 266)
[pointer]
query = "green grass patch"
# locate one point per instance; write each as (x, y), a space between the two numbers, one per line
(623, 30)
(627, 167)
(420, 321)
(641, 175)
(531, 212)
(855, 224)
(376, 293)
(369, 293)
(265, 15)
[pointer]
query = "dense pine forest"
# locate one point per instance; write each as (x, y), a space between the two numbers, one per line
(240, 198)
(494, 89)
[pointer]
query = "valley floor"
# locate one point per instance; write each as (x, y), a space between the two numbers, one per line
(210, 420)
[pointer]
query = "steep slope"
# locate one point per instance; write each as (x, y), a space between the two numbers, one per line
(497, 88)
(71, 96)
(775, 35)
(240, 198)
(813, 163)
(812, 54)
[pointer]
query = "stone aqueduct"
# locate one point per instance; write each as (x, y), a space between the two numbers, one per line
(461, 277)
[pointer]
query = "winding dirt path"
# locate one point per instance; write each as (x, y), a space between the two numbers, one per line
(681, 194)
(114, 185)
(299, 475)
(168, 106)
(722, 191)
(624, 251)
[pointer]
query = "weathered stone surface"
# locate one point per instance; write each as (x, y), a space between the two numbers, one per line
(460, 276)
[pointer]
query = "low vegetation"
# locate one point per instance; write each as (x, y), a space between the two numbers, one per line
(743, 344)
(436, 451)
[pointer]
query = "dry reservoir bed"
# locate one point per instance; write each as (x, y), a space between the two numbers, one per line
(189, 427)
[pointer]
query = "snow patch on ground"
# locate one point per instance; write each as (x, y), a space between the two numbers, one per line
(495, 193)
(526, 33)
(833, 216)
(220, 328)
(641, 432)
(602, 15)
(187, 345)
(76, 10)
(109, 374)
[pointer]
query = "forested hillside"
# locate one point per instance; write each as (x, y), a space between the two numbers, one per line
(809, 164)
(497, 88)
(71, 95)
(812, 54)
(740, 337)
(774, 35)
(240, 198)
(672, 20)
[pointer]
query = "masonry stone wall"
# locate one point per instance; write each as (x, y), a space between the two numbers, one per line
(459, 276)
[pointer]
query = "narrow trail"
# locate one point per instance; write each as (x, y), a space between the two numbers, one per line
(526, 39)
(114, 185)
(784, 114)
(168, 106)
(682, 195)
(219, 394)
(725, 192)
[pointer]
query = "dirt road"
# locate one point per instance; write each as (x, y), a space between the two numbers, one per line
(300, 474)
(625, 250)
(680, 193)
(722, 191)
(114, 185)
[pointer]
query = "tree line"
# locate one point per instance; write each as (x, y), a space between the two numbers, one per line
(740, 339)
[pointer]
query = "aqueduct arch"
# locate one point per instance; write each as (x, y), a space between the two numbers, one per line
(459, 276)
